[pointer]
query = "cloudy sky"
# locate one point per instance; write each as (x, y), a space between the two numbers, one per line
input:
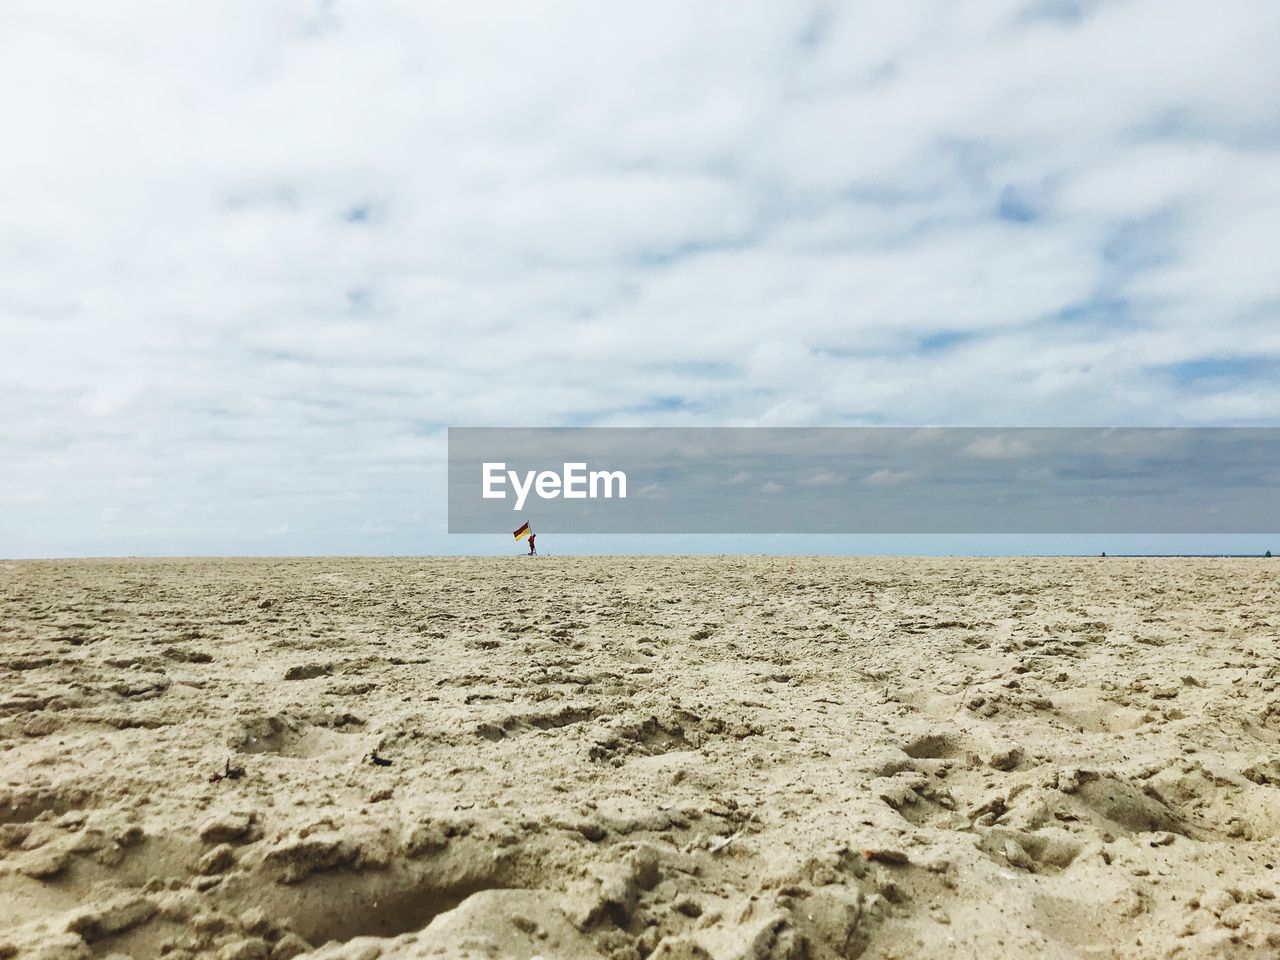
(255, 257)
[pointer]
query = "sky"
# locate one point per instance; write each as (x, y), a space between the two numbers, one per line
(255, 258)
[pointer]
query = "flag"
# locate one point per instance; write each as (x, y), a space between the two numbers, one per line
(522, 532)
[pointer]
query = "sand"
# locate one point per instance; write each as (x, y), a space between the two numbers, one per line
(627, 758)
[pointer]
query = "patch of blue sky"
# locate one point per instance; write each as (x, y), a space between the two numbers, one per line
(1221, 370)
(1016, 206)
(944, 340)
(1065, 11)
(816, 29)
(359, 299)
(658, 258)
(1104, 312)
(359, 213)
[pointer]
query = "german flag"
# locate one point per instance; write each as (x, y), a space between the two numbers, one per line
(522, 532)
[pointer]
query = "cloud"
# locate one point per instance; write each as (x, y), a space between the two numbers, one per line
(884, 477)
(823, 478)
(259, 256)
(1034, 475)
(998, 447)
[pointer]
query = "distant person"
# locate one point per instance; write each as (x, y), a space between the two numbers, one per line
(532, 550)
(1268, 553)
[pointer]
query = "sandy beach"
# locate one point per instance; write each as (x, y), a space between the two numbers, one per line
(639, 757)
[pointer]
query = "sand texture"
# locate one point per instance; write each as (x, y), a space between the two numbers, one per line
(627, 758)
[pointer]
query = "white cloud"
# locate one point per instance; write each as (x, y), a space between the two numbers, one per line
(823, 478)
(998, 447)
(884, 477)
(257, 256)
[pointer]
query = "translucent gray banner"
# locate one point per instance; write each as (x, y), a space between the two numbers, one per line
(864, 480)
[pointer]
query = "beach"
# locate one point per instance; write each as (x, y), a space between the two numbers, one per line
(666, 757)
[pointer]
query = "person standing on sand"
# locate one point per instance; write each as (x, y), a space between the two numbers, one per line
(532, 537)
